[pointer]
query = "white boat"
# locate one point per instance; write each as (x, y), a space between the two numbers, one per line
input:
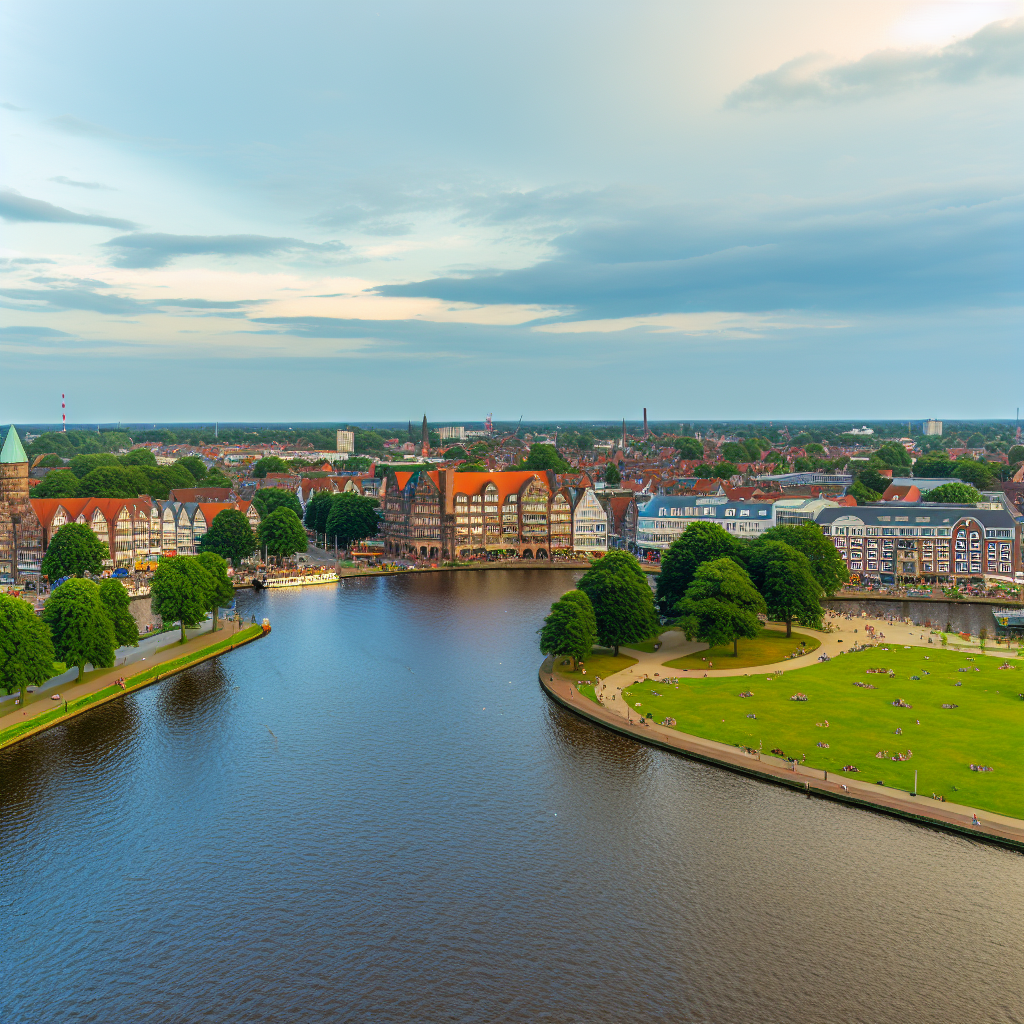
(306, 580)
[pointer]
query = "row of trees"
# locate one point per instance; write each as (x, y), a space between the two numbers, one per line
(342, 518)
(84, 622)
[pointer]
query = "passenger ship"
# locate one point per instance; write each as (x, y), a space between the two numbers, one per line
(306, 580)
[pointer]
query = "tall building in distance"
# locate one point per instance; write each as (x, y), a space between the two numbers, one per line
(347, 441)
(425, 438)
(452, 433)
(933, 428)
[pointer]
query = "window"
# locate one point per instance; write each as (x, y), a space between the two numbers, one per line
(744, 512)
(730, 511)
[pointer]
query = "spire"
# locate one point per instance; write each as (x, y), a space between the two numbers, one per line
(425, 439)
(13, 451)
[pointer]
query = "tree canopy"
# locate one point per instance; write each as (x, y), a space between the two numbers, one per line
(826, 566)
(74, 550)
(80, 625)
(318, 508)
(60, 483)
(282, 534)
(612, 476)
(82, 465)
(180, 590)
(352, 517)
(269, 464)
(230, 536)
(26, 649)
(270, 499)
(689, 448)
(570, 629)
(699, 543)
(544, 456)
(138, 457)
(222, 591)
(892, 455)
(622, 601)
(721, 605)
(961, 494)
(117, 602)
(873, 480)
(107, 482)
(194, 465)
(783, 576)
(977, 473)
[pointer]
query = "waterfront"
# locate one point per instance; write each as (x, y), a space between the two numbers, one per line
(376, 814)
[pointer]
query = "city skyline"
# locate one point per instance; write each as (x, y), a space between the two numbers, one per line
(803, 206)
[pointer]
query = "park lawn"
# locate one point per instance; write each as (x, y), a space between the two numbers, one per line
(600, 663)
(587, 689)
(647, 647)
(987, 728)
(771, 646)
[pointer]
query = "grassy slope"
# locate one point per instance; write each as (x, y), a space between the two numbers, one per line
(987, 727)
(769, 647)
(138, 679)
(598, 664)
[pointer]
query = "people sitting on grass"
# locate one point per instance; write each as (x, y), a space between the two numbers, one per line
(981, 768)
(799, 696)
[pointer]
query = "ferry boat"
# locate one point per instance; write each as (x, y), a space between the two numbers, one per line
(300, 580)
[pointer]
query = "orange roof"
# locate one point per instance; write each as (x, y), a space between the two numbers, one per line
(507, 483)
(46, 508)
(210, 509)
(199, 493)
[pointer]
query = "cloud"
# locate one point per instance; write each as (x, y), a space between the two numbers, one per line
(61, 180)
(11, 106)
(74, 298)
(33, 332)
(923, 248)
(16, 207)
(157, 250)
(995, 51)
(75, 126)
(22, 261)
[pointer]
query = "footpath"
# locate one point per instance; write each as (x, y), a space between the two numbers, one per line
(45, 709)
(815, 782)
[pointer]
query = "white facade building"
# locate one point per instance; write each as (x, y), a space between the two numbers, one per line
(589, 525)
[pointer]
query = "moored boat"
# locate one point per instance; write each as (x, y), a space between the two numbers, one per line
(298, 580)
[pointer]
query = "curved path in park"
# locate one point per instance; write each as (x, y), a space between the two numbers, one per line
(614, 714)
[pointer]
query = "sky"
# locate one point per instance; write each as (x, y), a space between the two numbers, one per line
(357, 212)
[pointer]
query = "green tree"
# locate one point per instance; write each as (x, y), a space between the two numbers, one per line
(873, 480)
(83, 464)
(721, 605)
(1016, 454)
(733, 451)
(270, 499)
(60, 483)
(754, 449)
(230, 536)
(215, 478)
(282, 534)
(318, 508)
(137, 457)
(194, 465)
(472, 467)
(698, 543)
(222, 591)
(826, 566)
(81, 628)
(892, 456)
(74, 550)
(935, 464)
(783, 576)
(26, 649)
(352, 517)
(612, 476)
(704, 471)
(180, 590)
(976, 473)
(269, 464)
(864, 495)
(544, 456)
(814, 449)
(570, 629)
(117, 602)
(960, 494)
(49, 462)
(689, 448)
(724, 470)
(456, 452)
(107, 482)
(622, 601)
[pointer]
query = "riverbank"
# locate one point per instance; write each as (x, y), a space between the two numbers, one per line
(994, 828)
(100, 688)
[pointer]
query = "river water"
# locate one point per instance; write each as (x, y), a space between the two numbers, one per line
(376, 815)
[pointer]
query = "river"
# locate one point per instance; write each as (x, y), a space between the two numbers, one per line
(376, 815)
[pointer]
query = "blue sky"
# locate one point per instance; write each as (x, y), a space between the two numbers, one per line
(334, 211)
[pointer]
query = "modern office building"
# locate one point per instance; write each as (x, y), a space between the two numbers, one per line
(347, 441)
(452, 433)
(932, 428)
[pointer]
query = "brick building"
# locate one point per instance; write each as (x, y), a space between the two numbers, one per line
(21, 539)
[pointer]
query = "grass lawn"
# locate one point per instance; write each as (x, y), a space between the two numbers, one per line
(987, 728)
(769, 647)
(648, 645)
(600, 663)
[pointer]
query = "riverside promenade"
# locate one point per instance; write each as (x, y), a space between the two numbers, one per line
(616, 715)
(42, 708)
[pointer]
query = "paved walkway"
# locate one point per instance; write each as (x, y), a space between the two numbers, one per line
(41, 701)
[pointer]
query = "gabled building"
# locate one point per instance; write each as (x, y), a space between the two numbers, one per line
(664, 518)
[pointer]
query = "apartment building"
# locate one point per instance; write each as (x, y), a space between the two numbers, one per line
(445, 514)
(664, 518)
(589, 524)
(929, 542)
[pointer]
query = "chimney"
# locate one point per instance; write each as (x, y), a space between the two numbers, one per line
(645, 423)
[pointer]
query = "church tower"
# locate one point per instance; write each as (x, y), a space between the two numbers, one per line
(425, 439)
(21, 538)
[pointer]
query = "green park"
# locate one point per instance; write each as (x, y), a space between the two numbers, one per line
(876, 713)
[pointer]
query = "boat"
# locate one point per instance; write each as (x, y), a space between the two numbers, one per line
(301, 580)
